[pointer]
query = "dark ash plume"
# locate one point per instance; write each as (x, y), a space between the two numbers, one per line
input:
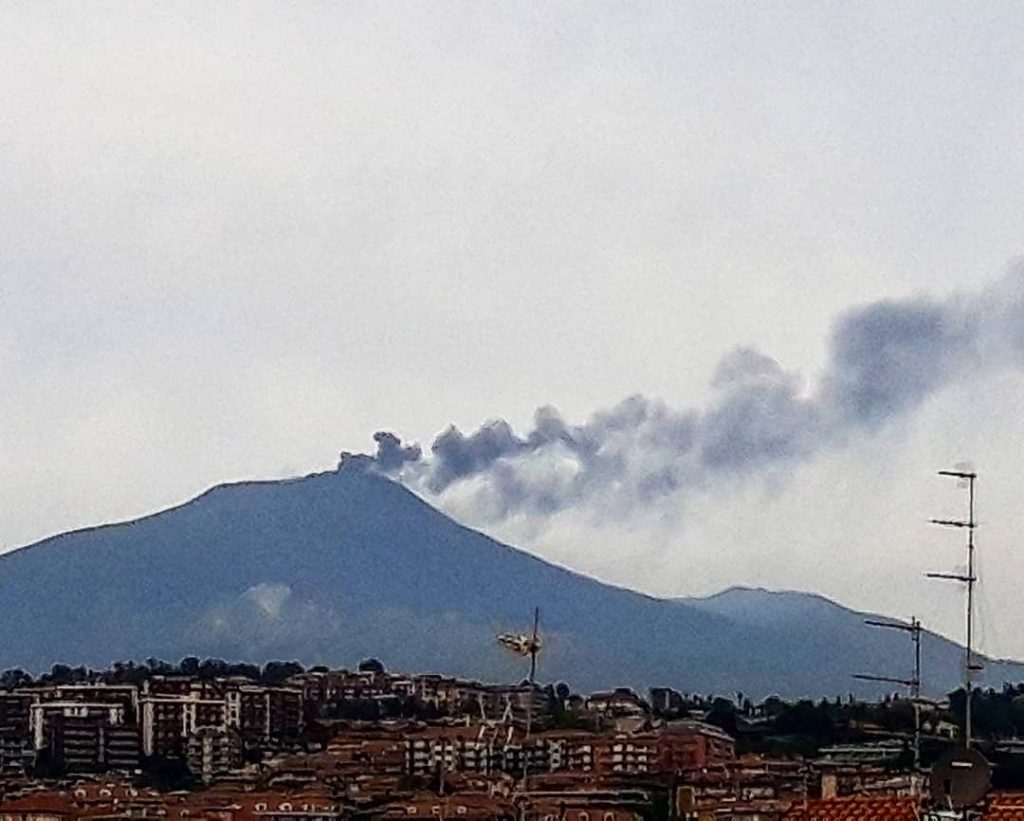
(885, 360)
(391, 454)
(891, 356)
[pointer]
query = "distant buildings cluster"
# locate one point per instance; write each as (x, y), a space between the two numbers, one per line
(79, 729)
(214, 726)
(328, 745)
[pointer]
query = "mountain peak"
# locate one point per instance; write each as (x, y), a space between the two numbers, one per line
(343, 565)
(756, 604)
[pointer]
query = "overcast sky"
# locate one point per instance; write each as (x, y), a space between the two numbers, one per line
(238, 239)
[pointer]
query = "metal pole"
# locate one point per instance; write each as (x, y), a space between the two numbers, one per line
(533, 670)
(969, 579)
(533, 644)
(913, 684)
(915, 691)
(968, 689)
(529, 698)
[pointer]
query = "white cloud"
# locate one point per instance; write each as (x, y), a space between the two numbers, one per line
(269, 598)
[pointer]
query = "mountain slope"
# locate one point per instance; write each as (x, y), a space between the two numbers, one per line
(342, 565)
(839, 635)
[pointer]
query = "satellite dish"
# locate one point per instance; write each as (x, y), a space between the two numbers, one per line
(959, 779)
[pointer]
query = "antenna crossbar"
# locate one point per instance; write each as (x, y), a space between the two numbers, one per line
(954, 576)
(895, 625)
(969, 578)
(954, 523)
(913, 684)
(906, 682)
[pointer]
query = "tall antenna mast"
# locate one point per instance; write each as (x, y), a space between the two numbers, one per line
(526, 645)
(969, 524)
(534, 644)
(534, 648)
(913, 684)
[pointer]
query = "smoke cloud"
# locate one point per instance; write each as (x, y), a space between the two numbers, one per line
(885, 360)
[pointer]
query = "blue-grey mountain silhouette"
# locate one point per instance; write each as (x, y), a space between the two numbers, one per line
(346, 565)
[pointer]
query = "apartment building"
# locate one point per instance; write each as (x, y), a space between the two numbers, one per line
(80, 737)
(627, 754)
(265, 716)
(168, 721)
(692, 745)
(125, 696)
(172, 708)
(327, 687)
(211, 752)
(16, 752)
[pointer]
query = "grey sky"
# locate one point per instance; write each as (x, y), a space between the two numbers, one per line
(236, 239)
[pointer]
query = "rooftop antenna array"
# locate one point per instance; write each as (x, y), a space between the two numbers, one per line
(526, 644)
(960, 778)
(913, 684)
(966, 479)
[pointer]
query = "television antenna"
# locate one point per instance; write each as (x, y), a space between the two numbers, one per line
(966, 479)
(913, 684)
(526, 644)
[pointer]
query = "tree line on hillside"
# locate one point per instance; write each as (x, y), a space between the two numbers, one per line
(131, 672)
(806, 726)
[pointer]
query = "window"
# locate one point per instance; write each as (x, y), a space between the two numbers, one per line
(285, 807)
(410, 810)
(261, 807)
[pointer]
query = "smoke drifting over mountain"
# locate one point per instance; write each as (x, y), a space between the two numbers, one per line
(885, 360)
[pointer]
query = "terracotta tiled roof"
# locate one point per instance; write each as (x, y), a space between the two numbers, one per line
(56, 802)
(1005, 806)
(1003, 800)
(855, 809)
